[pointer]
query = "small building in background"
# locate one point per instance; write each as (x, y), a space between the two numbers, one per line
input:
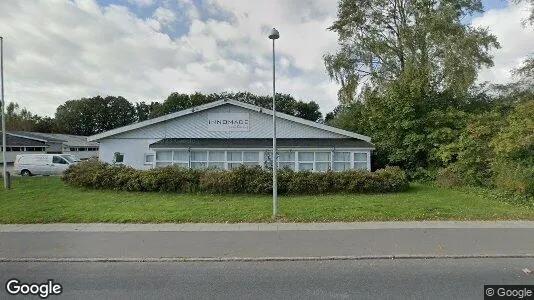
(27, 142)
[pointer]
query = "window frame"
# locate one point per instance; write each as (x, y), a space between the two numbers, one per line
(354, 161)
(345, 162)
(315, 161)
(145, 162)
(115, 157)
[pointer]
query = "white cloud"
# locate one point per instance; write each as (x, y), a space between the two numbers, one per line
(56, 50)
(516, 40)
(142, 3)
(164, 15)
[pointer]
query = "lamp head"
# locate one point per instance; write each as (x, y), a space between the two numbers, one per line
(274, 34)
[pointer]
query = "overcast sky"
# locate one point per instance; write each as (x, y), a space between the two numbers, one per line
(56, 50)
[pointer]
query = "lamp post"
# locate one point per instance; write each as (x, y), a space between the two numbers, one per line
(3, 103)
(274, 36)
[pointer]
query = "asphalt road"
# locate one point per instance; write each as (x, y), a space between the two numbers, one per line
(363, 279)
(425, 242)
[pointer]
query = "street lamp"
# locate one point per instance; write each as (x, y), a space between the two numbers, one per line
(3, 103)
(274, 36)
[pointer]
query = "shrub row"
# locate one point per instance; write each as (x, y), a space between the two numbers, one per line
(247, 180)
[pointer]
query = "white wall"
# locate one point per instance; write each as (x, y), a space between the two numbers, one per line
(133, 149)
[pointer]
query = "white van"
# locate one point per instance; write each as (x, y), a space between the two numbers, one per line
(42, 164)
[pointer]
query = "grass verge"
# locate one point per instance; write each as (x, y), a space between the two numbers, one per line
(49, 200)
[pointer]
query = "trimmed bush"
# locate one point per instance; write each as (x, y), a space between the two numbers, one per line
(243, 180)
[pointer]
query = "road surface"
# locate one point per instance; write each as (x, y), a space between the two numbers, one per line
(363, 279)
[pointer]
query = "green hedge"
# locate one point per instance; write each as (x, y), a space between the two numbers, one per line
(243, 180)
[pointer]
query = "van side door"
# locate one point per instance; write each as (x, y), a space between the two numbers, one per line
(58, 166)
(36, 164)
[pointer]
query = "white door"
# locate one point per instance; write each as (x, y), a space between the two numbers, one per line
(58, 166)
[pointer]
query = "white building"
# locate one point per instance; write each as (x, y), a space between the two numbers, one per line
(227, 133)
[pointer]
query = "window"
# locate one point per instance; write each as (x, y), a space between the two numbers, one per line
(73, 149)
(149, 158)
(199, 159)
(322, 161)
(165, 156)
(118, 157)
(251, 158)
(59, 160)
(341, 161)
(216, 160)
(235, 159)
(180, 158)
(286, 159)
(168, 157)
(306, 160)
(360, 160)
(314, 161)
(14, 148)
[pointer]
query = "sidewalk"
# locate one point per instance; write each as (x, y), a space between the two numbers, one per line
(294, 241)
(114, 227)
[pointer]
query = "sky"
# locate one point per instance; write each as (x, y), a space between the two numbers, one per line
(58, 50)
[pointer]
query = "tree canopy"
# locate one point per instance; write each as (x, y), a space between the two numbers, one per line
(381, 39)
(88, 116)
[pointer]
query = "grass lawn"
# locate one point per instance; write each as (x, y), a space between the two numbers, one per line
(48, 200)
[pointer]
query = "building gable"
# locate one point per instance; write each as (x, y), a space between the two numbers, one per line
(209, 124)
(205, 121)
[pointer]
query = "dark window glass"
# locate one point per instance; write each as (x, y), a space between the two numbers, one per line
(59, 160)
(119, 157)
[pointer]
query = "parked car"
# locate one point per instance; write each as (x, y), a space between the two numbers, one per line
(42, 164)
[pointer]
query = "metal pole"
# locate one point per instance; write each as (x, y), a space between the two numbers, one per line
(275, 159)
(4, 144)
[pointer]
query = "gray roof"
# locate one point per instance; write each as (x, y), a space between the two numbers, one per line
(218, 103)
(260, 143)
(13, 140)
(68, 140)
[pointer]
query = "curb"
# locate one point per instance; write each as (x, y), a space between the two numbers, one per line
(253, 259)
(198, 227)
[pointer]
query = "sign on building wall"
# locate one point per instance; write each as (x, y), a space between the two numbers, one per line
(228, 122)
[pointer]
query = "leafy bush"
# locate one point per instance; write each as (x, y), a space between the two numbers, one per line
(243, 180)
(517, 177)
